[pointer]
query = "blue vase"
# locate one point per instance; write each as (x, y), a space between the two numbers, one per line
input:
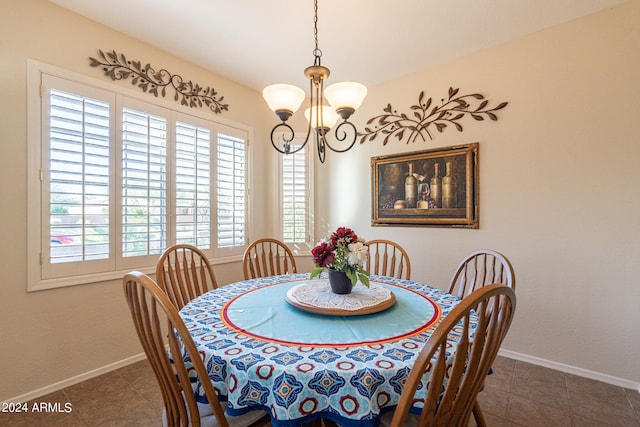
(340, 282)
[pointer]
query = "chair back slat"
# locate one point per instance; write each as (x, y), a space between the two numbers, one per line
(184, 272)
(387, 258)
(268, 257)
(480, 268)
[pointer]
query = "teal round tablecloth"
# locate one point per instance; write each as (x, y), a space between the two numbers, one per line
(264, 314)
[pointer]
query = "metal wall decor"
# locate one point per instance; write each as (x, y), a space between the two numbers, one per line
(190, 94)
(426, 115)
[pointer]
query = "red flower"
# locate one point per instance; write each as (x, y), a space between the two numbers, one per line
(323, 254)
(343, 235)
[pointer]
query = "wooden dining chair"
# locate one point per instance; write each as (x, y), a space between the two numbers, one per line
(159, 326)
(480, 268)
(388, 258)
(476, 270)
(267, 257)
(184, 272)
(457, 366)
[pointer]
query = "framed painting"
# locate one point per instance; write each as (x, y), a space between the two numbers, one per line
(432, 188)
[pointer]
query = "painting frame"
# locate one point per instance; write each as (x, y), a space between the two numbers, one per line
(395, 202)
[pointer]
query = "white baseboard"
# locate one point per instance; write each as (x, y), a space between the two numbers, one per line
(76, 379)
(571, 370)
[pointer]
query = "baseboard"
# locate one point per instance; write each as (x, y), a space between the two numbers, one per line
(77, 379)
(571, 370)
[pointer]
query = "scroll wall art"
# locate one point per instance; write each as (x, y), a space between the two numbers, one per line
(189, 94)
(427, 116)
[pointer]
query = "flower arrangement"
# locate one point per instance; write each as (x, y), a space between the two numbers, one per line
(342, 251)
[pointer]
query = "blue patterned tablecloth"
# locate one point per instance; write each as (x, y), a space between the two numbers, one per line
(262, 353)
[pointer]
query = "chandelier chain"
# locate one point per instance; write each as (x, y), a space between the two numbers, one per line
(317, 53)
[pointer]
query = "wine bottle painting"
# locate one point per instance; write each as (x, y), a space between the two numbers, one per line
(437, 187)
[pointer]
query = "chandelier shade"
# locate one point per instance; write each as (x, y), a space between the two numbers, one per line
(345, 95)
(325, 121)
(283, 97)
(345, 98)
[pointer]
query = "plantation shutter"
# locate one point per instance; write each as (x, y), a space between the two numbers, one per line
(144, 183)
(294, 197)
(193, 185)
(231, 191)
(78, 178)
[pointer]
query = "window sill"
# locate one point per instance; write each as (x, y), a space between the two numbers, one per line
(85, 279)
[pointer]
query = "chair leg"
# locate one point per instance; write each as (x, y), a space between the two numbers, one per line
(478, 415)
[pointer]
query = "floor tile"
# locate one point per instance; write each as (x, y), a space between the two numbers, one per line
(141, 377)
(634, 399)
(604, 411)
(494, 402)
(540, 391)
(528, 370)
(502, 375)
(596, 389)
(109, 398)
(535, 414)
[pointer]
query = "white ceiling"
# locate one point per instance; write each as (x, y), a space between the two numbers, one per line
(259, 42)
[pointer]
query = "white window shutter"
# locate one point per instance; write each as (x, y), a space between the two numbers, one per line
(231, 191)
(193, 185)
(144, 183)
(295, 202)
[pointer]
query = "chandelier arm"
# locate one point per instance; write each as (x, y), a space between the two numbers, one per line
(342, 136)
(286, 142)
(315, 103)
(321, 144)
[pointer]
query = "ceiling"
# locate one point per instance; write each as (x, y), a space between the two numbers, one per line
(260, 42)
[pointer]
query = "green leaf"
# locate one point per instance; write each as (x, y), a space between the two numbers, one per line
(352, 276)
(316, 272)
(364, 280)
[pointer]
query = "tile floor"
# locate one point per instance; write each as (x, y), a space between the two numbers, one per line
(517, 394)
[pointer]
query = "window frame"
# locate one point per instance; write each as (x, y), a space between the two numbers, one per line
(37, 184)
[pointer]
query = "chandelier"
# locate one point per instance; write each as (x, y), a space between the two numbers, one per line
(344, 98)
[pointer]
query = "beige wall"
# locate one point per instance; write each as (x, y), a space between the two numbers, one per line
(558, 192)
(559, 183)
(51, 336)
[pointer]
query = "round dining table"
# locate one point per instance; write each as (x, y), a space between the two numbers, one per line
(265, 352)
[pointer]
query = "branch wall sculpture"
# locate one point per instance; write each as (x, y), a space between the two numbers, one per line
(426, 115)
(149, 80)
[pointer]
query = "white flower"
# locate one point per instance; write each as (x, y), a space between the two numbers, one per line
(358, 254)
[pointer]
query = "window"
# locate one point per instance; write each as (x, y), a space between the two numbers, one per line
(296, 207)
(122, 179)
